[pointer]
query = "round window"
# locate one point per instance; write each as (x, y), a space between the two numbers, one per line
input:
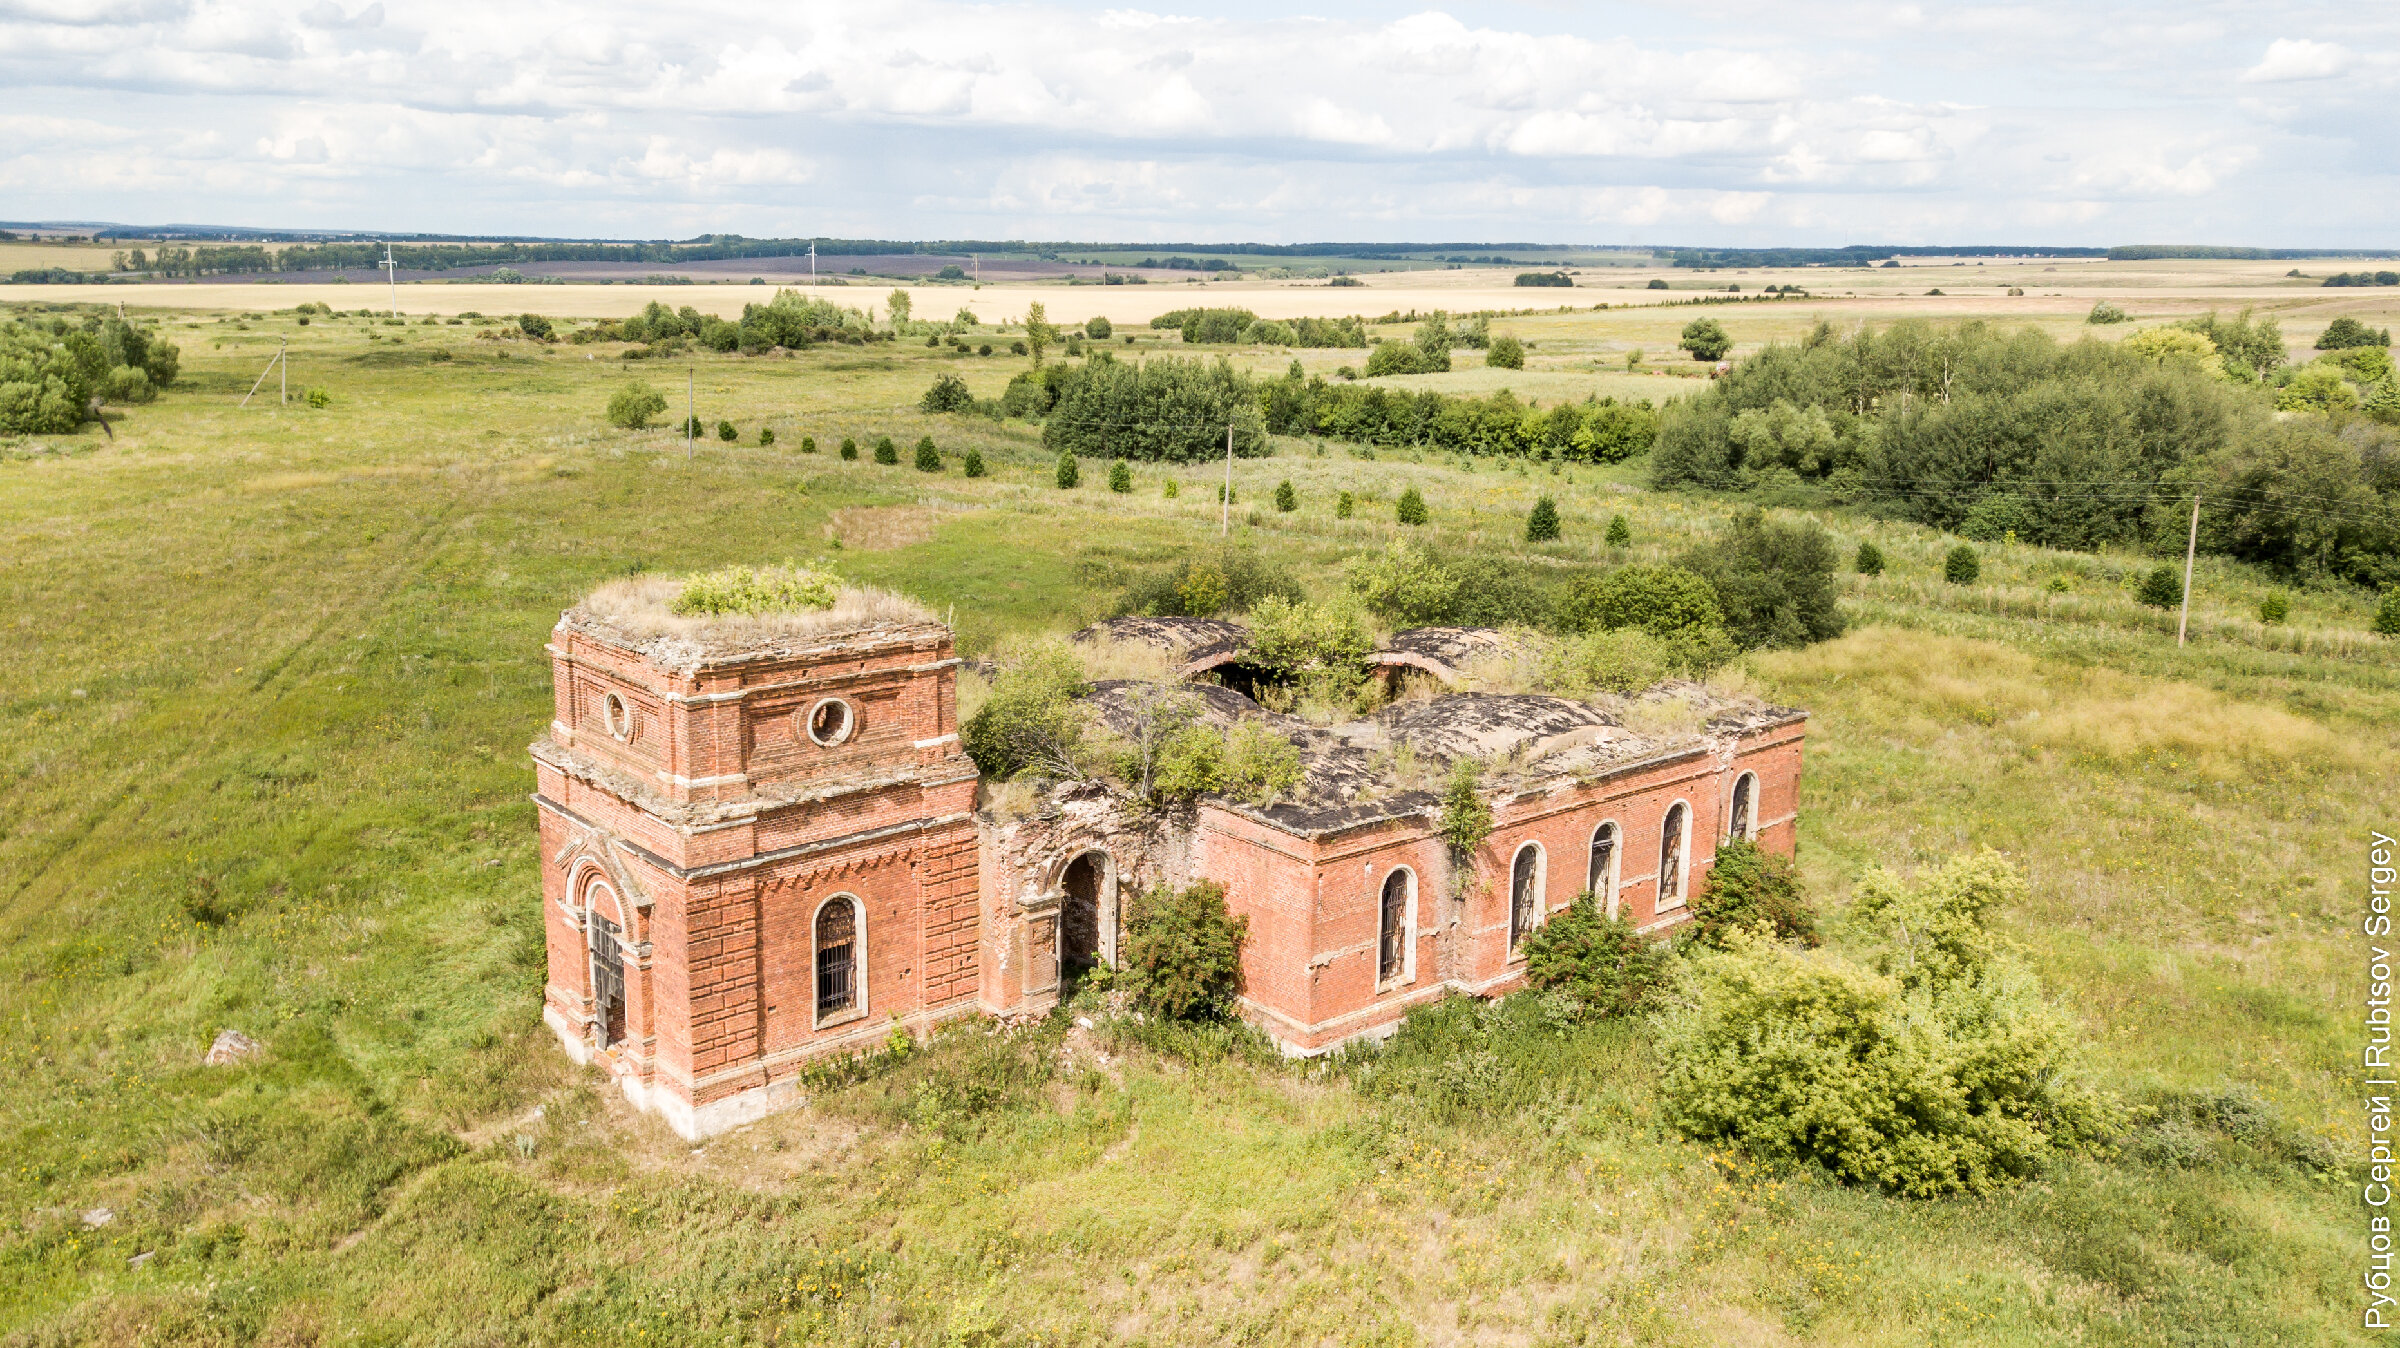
(830, 722)
(619, 716)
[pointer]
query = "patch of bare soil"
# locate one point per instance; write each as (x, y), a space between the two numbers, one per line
(880, 528)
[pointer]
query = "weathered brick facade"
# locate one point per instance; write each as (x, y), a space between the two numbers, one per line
(754, 860)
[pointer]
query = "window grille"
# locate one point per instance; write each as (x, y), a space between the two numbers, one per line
(1670, 859)
(608, 980)
(1603, 869)
(1392, 958)
(837, 958)
(1524, 904)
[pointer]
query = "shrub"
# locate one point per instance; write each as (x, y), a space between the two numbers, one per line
(1286, 499)
(1070, 474)
(1291, 636)
(1750, 889)
(1183, 953)
(1506, 353)
(1772, 580)
(1199, 585)
(1656, 284)
(983, 349)
(1031, 720)
(2346, 332)
(1541, 524)
(2161, 588)
(727, 433)
(808, 444)
(1706, 339)
(886, 453)
(1466, 817)
(849, 449)
(1600, 960)
(1403, 583)
(1015, 348)
(2275, 608)
(1962, 566)
(534, 326)
(1405, 358)
(1620, 533)
(633, 405)
(948, 394)
(2104, 313)
(1098, 329)
(691, 426)
(1660, 600)
(929, 459)
(755, 590)
(1869, 561)
(317, 397)
(766, 435)
(972, 466)
(1171, 490)
(1120, 477)
(1939, 1069)
(2387, 613)
(1344, 506)
(1411, 509)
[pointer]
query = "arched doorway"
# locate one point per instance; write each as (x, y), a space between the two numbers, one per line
(1084, 895)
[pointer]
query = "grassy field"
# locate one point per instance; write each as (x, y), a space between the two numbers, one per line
(270, 677)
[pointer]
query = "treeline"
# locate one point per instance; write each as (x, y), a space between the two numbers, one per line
(1856, 255)
(1177, 410)
(52, 375)
(1224, 327)
(2154, 252)
(2364, 278)
(790, 320)
(1998, 434)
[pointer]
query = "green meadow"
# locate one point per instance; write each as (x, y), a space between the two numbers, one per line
(269, 676)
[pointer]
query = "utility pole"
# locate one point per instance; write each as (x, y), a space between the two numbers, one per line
(812, 262)
(391, 273)
(1225, 504)
(284, 367)
(690, 416)
(2190, 546)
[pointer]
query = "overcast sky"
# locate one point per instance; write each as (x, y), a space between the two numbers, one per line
(1742, 122)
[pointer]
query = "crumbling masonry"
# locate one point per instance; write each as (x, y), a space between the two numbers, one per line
(759, 854)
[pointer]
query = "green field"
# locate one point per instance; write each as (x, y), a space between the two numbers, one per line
(269, 678)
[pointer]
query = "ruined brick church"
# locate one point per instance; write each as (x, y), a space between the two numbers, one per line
(762, 850)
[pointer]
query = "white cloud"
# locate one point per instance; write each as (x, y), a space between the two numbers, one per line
(2291, 58)
(929, 117)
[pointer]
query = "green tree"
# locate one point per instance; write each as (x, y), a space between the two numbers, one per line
(1098, 329)
(886, 453)
(1505, 353)
(1869, 561)
(1411, 509)
(1774, 580)
(2275, 608)
(1039, 334)
(1344, 506)
(727, 433)
(2104, 313)
(972, 466)
(900, 303)
(1706, 339)
(766, 435)
(1183, 953)
(849, 448)
(929, 459)
(1032, 720)
(948, 394)
(1620, 532)
(1751, 889)
(1403, 583)
(2161, 588)
(1070, 474)
(2387, 613)
(633, 405)
(535, 326)
(1541, 524)
(1962, 566)
(1660, 600)
(1286, 499)
(1120, 477)
(1602, 961)
(2347, 332)
(808, 444)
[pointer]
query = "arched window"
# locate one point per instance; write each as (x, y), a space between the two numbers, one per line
(1672, 843)
(1601, 878)
(1524, 894)
(1392, 939)
(837, 957)
(1741, 826)
(608, 959)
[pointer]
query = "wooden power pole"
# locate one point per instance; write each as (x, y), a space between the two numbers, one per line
(1225, 503)
(2191, 545)
(691, 417)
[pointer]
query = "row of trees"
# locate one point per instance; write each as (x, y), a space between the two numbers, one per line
(2072, 445)
(54, 375)
(1240, 326)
